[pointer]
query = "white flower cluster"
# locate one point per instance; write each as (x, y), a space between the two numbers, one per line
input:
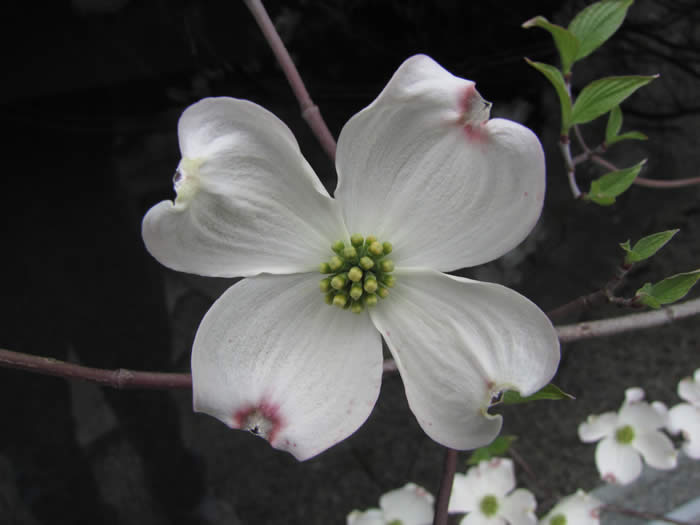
(487, 494)
(636, 432)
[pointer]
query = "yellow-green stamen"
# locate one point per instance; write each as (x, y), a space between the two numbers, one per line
(349, 283)
(489, 505)
(624, 435)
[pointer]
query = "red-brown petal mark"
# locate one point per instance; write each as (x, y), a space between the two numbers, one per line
(262, 420)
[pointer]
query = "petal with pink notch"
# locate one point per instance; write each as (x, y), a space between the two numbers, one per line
(424, 168)
(272, 358)
(457, 343)
(247, 200)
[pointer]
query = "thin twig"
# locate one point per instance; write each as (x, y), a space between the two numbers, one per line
(309, 110)
(120, 378)
(647, 516)
(565, 147)
(443, 498)
(626, 323)
(666, 184)
(597, 298)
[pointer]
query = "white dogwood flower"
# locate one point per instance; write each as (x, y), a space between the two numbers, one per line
(486, 493)
(627, 434)
(423, 175)
(577, 509)
(685, 417)
(409, 505)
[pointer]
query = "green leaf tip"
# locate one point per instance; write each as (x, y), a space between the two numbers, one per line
(602, 95)
(667, 291)
(498, 447)
(595, 24)
(550, 392)
(557, 80)
(605, 189)
(646, 246)
(566, 42)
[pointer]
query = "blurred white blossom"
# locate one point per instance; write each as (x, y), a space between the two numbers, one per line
(409, 505)
(625, 435)
(486, 493)
(577, 509)
(685, 417)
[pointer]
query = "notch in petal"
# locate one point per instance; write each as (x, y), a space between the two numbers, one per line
(247, 200)
(272, 358)
(422, 166)
(458, 342)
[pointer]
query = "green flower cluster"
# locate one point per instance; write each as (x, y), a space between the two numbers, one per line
(359, 274)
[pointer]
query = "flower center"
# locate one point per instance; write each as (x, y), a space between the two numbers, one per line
(624, 435)
(489, 505)
(559, 519)
(359, 274)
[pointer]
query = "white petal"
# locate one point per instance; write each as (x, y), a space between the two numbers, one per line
(657, 450)
(689, 389)
(411, 505)
(597, 427)
(634, 394)
(368, 517)
(270, 353)
(617, 463)
(494, 477)
(685, 418)
(579, 509)
(463, 497)
(641, 416)
(477, 518)
(518, 508)
(456, 343)
(247, 201)
(446, 193)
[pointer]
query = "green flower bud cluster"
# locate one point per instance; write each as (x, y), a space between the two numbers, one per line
(489, 505)
(359, 274)
(624, 435)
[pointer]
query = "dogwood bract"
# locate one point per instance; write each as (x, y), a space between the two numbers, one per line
(577, 509)
(685, 417)
(486, 493)
(423, 175)
(625, 435)
(409, 505)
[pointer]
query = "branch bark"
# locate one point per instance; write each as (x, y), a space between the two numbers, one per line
(443, 498)
(309, 110)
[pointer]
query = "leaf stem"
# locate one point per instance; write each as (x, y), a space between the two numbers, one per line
(443, 498)
(592, 300)
(309, 110)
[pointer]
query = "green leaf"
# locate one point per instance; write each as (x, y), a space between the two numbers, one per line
(604, 190)
(646, 246)
(597, 23)
(669, 290)
(557, 80)
(613, 128)
(550, 392)
(614, 124)
(567, 44)
(498, 447)
(601, 95)
(630, 135)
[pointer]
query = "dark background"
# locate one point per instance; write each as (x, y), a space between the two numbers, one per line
(91, 94)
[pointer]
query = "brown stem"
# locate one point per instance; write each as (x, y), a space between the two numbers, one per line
(627, 323)
(309, 110)
(649, 183)
(592, 300)
(120, 378)
(443, 498)
(647, 516)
